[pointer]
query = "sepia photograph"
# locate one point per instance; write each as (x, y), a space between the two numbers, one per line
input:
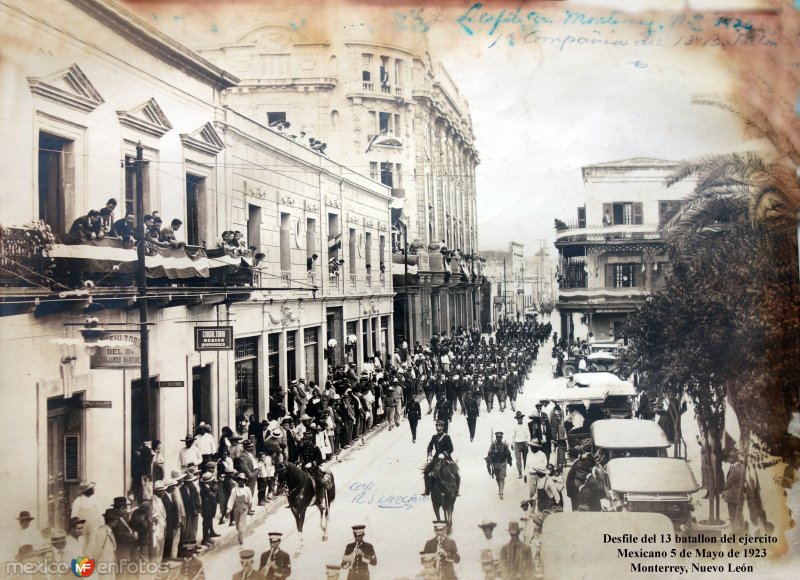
(352, 289)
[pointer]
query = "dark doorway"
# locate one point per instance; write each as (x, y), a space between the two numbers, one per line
(195, 190)
(56, 177)
(201, 395)
(64, 456)
(139, 427)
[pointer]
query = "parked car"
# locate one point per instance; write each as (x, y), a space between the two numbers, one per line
(653, 484)
(628, 438)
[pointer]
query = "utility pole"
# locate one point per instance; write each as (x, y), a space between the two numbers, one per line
(407, 320)
(522, 275)
(505, 291)
(141, 288)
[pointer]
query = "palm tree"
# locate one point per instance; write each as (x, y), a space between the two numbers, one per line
(734, 190)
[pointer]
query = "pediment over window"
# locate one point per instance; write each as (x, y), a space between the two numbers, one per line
(147, 117)
(205, 140)
(67, 87)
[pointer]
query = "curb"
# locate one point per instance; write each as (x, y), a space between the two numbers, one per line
(228, 539)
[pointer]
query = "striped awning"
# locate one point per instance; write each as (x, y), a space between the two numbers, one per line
(110, 254)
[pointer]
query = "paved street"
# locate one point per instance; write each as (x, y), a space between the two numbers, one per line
(380, 486)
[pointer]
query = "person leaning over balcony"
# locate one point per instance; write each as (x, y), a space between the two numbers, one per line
(167, 234)
(310, 262)
(85, 227)
(607, 219)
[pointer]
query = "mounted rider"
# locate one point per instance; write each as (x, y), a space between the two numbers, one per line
(440, 449)
(309, 459)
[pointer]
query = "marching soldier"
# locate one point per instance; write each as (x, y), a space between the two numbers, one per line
(275, 564)
(445, 549)
(247, 572)
(359, 556)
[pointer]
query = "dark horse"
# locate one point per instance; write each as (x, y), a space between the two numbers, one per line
(301, 495)
(445, 481)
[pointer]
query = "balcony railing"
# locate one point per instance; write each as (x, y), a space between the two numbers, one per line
(23, 260)
(369, 281)
(311, 278)
(386, 89)
(368, 87)
(353, 279)
(398, 91)
(599, 234)
(286, 279)
(383, 280)
(28, 257)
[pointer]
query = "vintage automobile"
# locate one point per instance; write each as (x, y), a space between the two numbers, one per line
(652, 484)
(628, 438)
(619, 401)
(602, 361)
(580, 545)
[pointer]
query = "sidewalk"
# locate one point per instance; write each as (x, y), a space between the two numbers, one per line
(228, 533)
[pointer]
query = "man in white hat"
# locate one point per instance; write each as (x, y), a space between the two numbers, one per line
(445, 550)
(159, 521)
(173, 486)
(86, 507)
(275, 564)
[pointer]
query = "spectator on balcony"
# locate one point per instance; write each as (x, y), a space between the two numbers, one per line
(369, 269)
(152, 231)
(107, 214)
(100, 226)
(310, 262)
(238, 240)
(383, 268)
(125, 229)
(334, 266)
(85, 227)
(607, 219)
(167, 234)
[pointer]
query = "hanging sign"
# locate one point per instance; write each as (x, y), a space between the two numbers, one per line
(213, 338)
(117, 350)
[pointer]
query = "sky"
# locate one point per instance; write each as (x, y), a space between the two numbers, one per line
(552, 87)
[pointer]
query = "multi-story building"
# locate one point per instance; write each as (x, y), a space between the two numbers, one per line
(87, 85)
(378, 102)
(612, 256)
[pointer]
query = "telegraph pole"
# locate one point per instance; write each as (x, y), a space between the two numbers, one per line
(505, 291)
(141, 287)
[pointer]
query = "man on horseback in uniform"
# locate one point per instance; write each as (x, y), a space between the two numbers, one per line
(309, 460)
(440, 444)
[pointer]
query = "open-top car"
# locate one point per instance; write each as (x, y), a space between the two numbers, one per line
(652, 484)
(629, 438)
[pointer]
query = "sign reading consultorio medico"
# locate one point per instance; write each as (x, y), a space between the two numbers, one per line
(117, 350)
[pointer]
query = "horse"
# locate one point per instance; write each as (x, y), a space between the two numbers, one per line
(445, 481)
(301, 494)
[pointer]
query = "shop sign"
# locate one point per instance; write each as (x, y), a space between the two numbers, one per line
(213, 338)
(95, 404)
(117, 350)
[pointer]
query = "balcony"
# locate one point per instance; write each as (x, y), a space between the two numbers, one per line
(398, 91)
(369, 280)
(33, 257)
(383, 280)
(571, 234)
(367, 87)
(602, 298)
(353, 280)
(311, 278)
(386, 89)
(286, 279)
